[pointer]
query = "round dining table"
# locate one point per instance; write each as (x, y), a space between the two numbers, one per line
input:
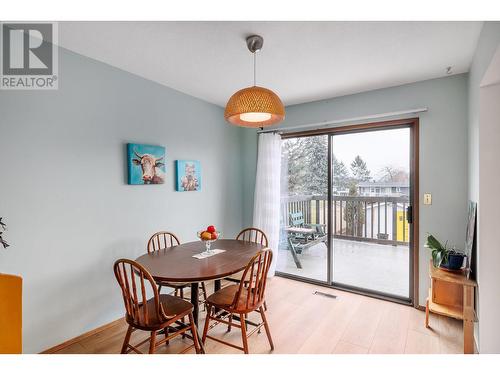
(177, 264)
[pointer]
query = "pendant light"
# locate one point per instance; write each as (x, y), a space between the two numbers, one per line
(254, 107)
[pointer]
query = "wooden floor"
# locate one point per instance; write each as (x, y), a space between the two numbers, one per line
(302, 322)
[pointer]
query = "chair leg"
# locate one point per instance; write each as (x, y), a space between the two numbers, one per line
(230, 321)
(265, 306)
(159, 289)
(127, 339)
(244, 333)
(204, 289)
(176, 292)
(207, 321)
(182, 319)
(266, 326)
(194, 332)
(427, 314)
(152, 342)
(165, 331)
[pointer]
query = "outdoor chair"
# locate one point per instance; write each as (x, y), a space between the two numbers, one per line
(302, 235)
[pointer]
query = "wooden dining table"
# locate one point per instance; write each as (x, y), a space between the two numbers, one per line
(176, 264)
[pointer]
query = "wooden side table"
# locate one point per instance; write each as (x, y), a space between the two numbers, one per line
(452, 294)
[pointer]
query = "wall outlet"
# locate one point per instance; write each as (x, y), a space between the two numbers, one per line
(427, 198)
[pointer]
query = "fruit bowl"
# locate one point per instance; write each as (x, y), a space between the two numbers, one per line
(208, 236)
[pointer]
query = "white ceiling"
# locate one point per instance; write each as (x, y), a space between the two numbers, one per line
(300, 61)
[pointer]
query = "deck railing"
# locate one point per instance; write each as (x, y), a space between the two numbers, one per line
(359, 218)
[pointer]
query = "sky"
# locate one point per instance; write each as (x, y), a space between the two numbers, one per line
(377, 148)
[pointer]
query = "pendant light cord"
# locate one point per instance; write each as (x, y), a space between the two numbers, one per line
(254, 68)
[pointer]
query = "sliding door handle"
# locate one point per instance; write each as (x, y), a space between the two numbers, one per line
(409, 214)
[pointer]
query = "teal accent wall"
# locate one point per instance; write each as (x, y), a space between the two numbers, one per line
(64, 192)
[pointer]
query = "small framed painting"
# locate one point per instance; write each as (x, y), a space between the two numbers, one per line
(188, 174)
(146, 164)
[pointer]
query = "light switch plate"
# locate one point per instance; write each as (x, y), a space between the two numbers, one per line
(427, 198)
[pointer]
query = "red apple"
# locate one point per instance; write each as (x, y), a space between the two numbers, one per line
(214, 236)
(211, 229)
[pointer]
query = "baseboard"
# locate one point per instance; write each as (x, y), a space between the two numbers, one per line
(74, 340)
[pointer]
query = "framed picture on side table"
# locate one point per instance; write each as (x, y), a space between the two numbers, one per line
(470, 240)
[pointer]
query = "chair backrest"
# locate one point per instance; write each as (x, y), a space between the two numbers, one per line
(253, 235)
(134, 280)
(297, 219)
(253, 282)
(162, 240)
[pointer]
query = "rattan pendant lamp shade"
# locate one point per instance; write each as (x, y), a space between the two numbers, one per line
(255, 106)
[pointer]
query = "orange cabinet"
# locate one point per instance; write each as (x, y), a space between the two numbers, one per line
(11, 314)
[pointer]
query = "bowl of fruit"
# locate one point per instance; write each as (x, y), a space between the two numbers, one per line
(208, 236)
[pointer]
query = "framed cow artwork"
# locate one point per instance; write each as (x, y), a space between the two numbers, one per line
(146, 164)
(188, 175)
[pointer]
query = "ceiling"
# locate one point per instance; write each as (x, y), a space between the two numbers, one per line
(300, 61)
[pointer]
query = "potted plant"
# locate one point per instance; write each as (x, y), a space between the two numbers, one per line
(11, 292)
(442, 256)
(454, 260)
(2, 229)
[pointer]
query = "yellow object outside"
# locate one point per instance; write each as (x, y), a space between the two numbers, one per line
(402, 227)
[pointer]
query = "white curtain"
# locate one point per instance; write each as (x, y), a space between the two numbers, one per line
(266, 212)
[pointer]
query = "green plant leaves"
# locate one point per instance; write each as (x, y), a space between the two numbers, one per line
(439, 252)
(433, 243)
(3, 226)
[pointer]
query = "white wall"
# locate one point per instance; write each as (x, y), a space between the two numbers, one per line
(489, 188)
(486, 47)
(443, 149)
(487, 305)
(64, 196)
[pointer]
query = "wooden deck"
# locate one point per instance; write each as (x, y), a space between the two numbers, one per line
(304, 322)
(367, 265)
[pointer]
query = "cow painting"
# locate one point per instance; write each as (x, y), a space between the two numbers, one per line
(188, 175)
(146, 164)
(149, 164)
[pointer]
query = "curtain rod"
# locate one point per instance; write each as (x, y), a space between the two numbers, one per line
(325, 124)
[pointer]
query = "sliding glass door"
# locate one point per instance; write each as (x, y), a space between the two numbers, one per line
(346, 207)
(304, 207)
(370, 196)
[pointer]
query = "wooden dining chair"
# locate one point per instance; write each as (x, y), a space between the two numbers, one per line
(162, 240)
(235, 301)
(254, 235)
(161, 312)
